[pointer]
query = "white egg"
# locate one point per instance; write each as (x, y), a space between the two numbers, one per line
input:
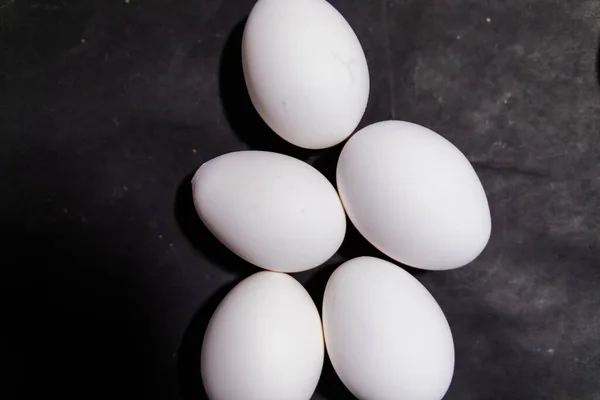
(272, 210)
(414, 196)
(264, 342)
(386, 336)
(305, 70)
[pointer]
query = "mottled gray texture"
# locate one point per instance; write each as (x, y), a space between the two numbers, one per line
(107, 107)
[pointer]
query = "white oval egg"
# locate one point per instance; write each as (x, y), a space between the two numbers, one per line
(305, 71)
(264, 342)
(413, 195)
(274, 211)
(386, 336)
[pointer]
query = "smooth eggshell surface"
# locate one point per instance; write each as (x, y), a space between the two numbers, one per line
(413, 195)
(305, 71)
(386, 336)
(272, 210)
(264, 342)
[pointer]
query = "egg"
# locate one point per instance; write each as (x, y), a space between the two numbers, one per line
(264, 342)
(386, 336)
(305, 71)
(272, 210)
(413, 195)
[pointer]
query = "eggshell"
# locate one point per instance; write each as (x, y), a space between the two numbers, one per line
(305, 70)
(274, 211)
(264, 342)
(413, 195)
(386, 336)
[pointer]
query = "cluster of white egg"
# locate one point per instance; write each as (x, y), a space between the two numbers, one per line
(408, 191)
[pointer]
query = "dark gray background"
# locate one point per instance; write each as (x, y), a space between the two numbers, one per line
(108, 106)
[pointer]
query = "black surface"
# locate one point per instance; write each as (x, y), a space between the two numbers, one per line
(107, 107)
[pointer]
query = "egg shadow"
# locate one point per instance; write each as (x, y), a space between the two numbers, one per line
(65, 326)
(326, 162)
(330, 386)
(201, 237)
(189, 378)
(239, 111)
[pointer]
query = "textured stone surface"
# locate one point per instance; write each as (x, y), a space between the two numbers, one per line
(107, 107)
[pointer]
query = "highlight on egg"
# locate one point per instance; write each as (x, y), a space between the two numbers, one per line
(413, 195)
(272, 210)
(263, 342)
(305, 71)
(385, 335)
